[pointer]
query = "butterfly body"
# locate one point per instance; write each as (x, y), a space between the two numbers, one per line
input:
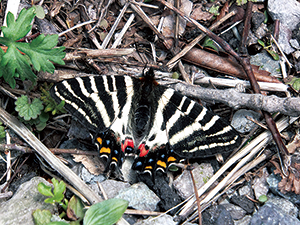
(137, 116)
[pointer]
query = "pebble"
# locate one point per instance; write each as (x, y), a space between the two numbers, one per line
(139, 197)
(18, 209)
(235, 211)
(270, 214)
(241, 123)
(260, 185)
(288, 13)
(217, 215)
(184, 185)
(164, 219)
(244, 202)
(265, 61)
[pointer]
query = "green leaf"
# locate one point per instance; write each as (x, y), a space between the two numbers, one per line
(41, 217)
(45, 189)
(14, 64)
(214, 10)
(19, 28)
(2, 131)
(29, 110)
(105, 213)
(59, 189)
(75, 209)
(42, 53)
(273, 54)
(39, 11)
(261, 43)
(296, 84)
(210, 44)
(263, 198)
(173, 168)
(58, 223)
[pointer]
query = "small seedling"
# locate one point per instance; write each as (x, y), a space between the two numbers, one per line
(268, 48)
(107, 212)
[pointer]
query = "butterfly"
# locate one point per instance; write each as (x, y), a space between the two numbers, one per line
(137, 116)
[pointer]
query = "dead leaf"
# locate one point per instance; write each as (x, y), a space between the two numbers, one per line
(199, 14)
(91, 163)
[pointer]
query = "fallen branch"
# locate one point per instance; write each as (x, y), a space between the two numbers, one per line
(233, 98)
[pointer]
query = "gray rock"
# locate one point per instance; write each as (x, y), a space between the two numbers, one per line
(244, 202)
(19, 209)
(260, 185)
(216, 215)
(265, 62)
(241, 123)
(295, 44)
(288, 12)
(129, 174)
(113, 187)
(245, 221)
(284, 204)
(87, 177)
(246, 190)
(184, 185)
(270, 214)
(139, 197)
(235, 211)
(164, 219)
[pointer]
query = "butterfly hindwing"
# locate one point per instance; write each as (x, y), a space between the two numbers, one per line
(196, 132)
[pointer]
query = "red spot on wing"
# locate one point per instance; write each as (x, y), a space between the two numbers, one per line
(144, 149)
(127, 143)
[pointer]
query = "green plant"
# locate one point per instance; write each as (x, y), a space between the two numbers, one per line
(31, 112)
(2, 131)
(209, 43)
(20, 56)
(242, 2)
(268, 48)
(295, 82)
(214, 10)
(262, 198)
(50, 103)
(36, 111)
(27, 109)
(106, 212)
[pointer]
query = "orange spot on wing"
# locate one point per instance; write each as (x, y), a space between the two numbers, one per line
(105, 150)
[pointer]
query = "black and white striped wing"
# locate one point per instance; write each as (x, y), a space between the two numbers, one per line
(96, 101)
(190, 129)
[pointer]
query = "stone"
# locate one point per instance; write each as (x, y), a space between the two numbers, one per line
(19, 209)
(184, 185)
(270, 214)
(288, 13)
(217, 215)
(139, 197)
(244, 202)
(241, 123)
(260, 185)
(235, 211)
(164, 219)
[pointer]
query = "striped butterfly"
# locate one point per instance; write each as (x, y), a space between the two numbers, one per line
(128, 115)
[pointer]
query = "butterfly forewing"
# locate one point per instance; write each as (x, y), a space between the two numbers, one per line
(95, 101)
